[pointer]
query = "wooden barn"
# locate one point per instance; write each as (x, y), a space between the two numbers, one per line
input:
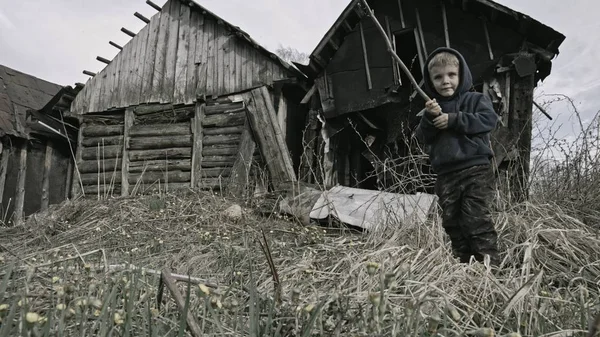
(370, 107)
(35, 159)
(190, 101)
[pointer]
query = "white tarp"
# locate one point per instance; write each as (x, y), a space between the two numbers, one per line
(372, 209)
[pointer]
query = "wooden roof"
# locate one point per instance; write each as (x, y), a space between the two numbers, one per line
(20, 92)
(547, 39)
(183, 52)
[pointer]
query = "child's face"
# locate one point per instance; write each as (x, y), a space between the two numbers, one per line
(445, 79)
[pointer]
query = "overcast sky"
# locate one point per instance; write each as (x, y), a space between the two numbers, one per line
(56, 40)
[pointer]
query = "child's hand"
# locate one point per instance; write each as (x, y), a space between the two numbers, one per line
(433, 108)
(441, 121)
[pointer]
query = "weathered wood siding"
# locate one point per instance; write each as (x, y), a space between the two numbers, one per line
(180, 55)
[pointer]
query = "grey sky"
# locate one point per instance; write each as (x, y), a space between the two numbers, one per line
(57, 40)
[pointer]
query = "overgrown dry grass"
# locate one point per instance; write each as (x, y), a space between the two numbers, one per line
(334, 282)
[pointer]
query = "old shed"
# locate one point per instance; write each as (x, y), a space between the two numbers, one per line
(369, 106)
(36, 157)
(190, 101)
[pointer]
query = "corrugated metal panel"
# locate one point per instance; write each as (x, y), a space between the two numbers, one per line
(184, 52)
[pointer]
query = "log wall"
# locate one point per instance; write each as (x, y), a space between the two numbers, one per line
(183, 53)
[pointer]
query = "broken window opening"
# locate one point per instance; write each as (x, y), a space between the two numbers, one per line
(407, 50)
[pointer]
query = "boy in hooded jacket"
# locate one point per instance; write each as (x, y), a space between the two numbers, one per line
(456, 126)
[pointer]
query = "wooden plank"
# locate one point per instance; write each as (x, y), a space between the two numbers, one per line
(224, 108)
(211, 42)
(20, 189)
(192, 325)
(136, 91)
(420, 30)
(161, 53)
(227, 45)
(102, 130)
(220, 64)
(221, 139)
(171, 54)
(107, 165)
(445, 21)
(5, 151)
(197, 155)
(365, 57)
(309, 94)
(181, 61)
(282, 115)
(201, 57)
(194, 43)
(148, 71)
(126, 54)
(160, 165)
(68, 180)
(160, 130)
(102, 179)
(101, 190)
(222, 120)
(141, 143)
(116, 82)
(239, 177)
(94, 141)
(129, 119)
(268, 136)
(239, 66)
(148, 109)
(402, 22)
(160, 154)
(95, 94)
(487, 39)
(104, 88)
(249, 66)
(46, 177)
(101, 152)
(232, 62)
(76, 187)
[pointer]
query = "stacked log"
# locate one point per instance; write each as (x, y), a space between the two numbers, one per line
(159, 147)
(222, 127)
(100, 159)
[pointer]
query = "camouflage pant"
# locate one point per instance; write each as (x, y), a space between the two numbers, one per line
(465, 198)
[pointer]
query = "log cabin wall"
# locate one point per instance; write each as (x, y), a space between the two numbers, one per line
(184, 52)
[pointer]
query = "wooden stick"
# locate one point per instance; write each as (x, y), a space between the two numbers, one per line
(396, 57)
(365, 56)
(192, 325)
(153, 5)
(102, 59)
(177, 277)
(542, 110)
(20, 195)
(115, 45)
(487, 39)
(141, 17)
(5, 151)
(127, 31)
(46, 177)
(89, 73)
(420, 30)
(401, 14)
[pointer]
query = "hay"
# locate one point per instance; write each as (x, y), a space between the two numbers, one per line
(550, 262)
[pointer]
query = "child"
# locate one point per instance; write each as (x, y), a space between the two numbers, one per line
(456, 126)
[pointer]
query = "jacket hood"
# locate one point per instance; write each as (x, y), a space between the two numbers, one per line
(465, 81)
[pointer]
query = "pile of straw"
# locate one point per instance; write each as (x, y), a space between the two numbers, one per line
(401, 280)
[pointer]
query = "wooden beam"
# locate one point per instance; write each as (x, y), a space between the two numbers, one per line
(89, 73)
(347, 26)
(401, 14)
(20, 193)
(76, 185)
(102, 59)
(46, 177)
(192, 324)
(365, 56)
(153, 5)
(309, 94)
(333, 45)
(115, 45)
(238, 178)
(3, 167)
(129, 117)
(487, 39)
(141, 17)
(419, 51)
(420, 30)
(127, 31)
(198, 134)
(445, 21)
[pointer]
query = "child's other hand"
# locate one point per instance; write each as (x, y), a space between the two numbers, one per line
(433, 108)
(441, 121)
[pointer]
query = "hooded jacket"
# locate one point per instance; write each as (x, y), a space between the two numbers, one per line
(471, 118)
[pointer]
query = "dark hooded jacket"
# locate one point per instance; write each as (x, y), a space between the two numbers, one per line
(471, 118)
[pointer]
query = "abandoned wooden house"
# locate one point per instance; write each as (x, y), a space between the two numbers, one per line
(370, 106)
(182, 104)
(35, 162)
